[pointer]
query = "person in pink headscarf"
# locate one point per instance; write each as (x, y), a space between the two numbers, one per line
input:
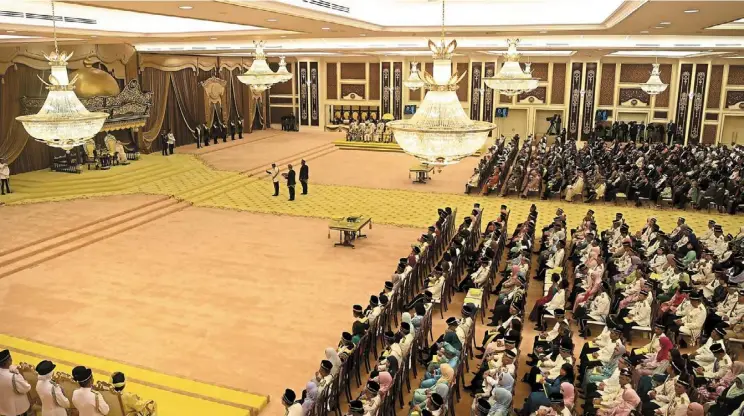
(626, 403)
(710, 392)
(384, 379)
(594, 286)
(569, 395)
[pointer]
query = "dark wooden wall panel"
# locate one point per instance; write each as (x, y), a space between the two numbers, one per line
(540, 71)
(374, 81)
(607, 86)
(489, 94)
(697, 110)
(398, 90)
(662, 100)
(303, 90)
(635, 73)
(332, 80)
(385, 83)
(736, 75)
(476, 75)
(347, 89)
(462, 86)
(683, 88)
(558, 84)
(715, 87)
(590, 87)
(353, 70)
(709, 134)
(574, 105)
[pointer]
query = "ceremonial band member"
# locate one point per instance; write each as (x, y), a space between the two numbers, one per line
(53, 400)
(291, 182)
(85, 400)
(4, 176)
(304, 176)
(288, 400)
(274, 173)
(133, 404)
(13, 388)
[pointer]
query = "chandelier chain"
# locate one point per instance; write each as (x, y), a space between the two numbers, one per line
(442, 20)
(54, 28)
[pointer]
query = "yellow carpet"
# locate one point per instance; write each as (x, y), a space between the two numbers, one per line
(187, 178)
(174, 395)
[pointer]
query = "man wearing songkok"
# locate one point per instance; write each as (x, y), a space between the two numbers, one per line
(637, 315)
(53, 400)
(691, 323)
(648, 351)
(85, 400)
(133, 404)
(370, 398)
(323, 377)
(13, 388)
(360, 325)
(704, 355)
(626, 402)
(406, 340)
(293, 409)
(678, 406)
(712, 372)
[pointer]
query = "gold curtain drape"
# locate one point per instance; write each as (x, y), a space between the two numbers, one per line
(158, 82)
(23, 153)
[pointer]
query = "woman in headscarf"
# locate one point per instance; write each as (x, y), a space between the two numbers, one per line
(730, 399)
(332, 356)
(710, 392)
(569, 395)
(441, 386)
(656, 365)
(311, 394)
(594, 286)
(384, 379)
(600, 374)
(628, 276)
(542, 397)
(500, 401)
(555, 278)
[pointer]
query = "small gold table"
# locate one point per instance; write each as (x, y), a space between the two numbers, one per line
(349, 229)
(422, 172)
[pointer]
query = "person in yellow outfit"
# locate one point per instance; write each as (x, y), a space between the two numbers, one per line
(133, 404)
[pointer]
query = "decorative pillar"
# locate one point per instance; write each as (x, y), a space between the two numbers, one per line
(697, 110)
(314, 91)
(397, 86)
(589, 87)
(475, 91)
(683, 99)
(488, 94)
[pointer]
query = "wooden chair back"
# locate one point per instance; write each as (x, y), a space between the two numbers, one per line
(68, 386)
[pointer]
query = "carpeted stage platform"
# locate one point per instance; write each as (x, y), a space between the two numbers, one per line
(212, 311)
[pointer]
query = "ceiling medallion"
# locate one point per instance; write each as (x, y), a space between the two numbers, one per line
(259, 76)
(440, 133)
(511, 79)
(63, 121)
(654, 85)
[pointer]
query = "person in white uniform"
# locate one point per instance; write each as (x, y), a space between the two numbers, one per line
(293, 408)
(53, 400)
(274, 173)
(13, 388)
(85, 400)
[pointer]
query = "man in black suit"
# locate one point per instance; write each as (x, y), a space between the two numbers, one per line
(240, 128)
(164, 143)
(304, 176)
(671, 130)
(291, 182)
(232, 129)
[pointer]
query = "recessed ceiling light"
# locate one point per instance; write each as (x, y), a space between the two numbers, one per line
(692, 11)
(271, 20)
(10, 31)
(659, 27)
(93, 36)
(362, 34)
(543, 31)
(212, 38)
(185, 7)
(665, 23)
(644, 31)
(325, 28)
(283, 36)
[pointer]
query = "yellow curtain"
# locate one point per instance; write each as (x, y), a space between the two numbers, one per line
(158, 82)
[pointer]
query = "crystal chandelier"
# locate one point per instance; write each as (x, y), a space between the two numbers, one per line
(414, 81)
(259, 76)
(63, 121)
(511, 80)
(440, 133)
(654, 85)
(283, 70)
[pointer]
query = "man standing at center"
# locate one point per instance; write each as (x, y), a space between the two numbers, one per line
(291, 182)
(274, 173)
(304, 176)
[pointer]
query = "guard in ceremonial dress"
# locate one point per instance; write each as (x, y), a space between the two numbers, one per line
(53, 400)
(13, 388)
(85, 400)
